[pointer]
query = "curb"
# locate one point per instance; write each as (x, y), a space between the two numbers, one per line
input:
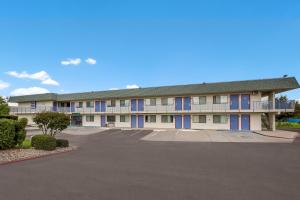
(273, 136)
(36, 157)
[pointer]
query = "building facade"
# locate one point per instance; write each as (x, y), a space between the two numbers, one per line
(239, 105)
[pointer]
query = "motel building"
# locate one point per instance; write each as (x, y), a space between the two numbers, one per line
(238, 105)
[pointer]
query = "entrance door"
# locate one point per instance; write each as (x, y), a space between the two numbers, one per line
(141, 105)
(140, 121)
(72, 107)
(234, 122)
(245, 101)
(178, 103)
(133, 104)
(234, 102)
(245, 122)
(178, 121)
(103, 120)
(187, 103)
(133, 121)
(187, 121)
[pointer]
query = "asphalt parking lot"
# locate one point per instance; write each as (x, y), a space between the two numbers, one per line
(116, 164)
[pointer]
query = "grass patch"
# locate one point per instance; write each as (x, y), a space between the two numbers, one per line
(287, 125)
(26, 144)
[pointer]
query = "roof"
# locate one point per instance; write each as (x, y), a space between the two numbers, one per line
(276, 84)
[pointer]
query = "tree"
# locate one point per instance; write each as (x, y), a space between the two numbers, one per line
(52, 123)
(4, 109)
(282, 98)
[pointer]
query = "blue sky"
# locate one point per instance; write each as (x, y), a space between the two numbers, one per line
(144, 43)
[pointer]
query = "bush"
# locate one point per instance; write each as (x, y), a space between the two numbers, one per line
(26, 144)
(62, 143)
(13, 117)
(52, 123)
(7, 133)
(23, 122)
(44, 142)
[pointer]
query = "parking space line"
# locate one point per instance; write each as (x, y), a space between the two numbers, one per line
(139, 131)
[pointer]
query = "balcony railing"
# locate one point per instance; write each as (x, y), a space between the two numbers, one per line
(257, 106)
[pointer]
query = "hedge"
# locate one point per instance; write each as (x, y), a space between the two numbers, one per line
(13, 117)
(7, 133)
(62, 143)
(12, 133)
(44, 142)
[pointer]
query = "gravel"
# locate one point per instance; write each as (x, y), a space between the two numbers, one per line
(23, 154)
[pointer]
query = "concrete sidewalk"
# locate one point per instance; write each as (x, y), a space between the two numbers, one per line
(279, 134)
(212, 136)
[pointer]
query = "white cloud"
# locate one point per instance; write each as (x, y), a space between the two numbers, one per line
(113, 88)
(28, 91)
(71, 61)
(91, 61)
(3, 85)
(42, 76)
(50, 82)
(132, 86)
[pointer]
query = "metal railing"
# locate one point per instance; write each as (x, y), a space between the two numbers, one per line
(257, 106)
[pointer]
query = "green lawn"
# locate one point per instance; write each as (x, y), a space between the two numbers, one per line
(287, 125)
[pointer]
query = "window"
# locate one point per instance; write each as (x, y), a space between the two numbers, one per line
(153, 102)
(111, 103)
(111, 118)
(199, 118)
(124, 103)
(80, 104)
(219, 99)
(124, 118)
(33, 105)
(220, 119)
(89, 118)
(167, 119)
(150, 118)
(90, 104)
(199, 100)
(164, 101)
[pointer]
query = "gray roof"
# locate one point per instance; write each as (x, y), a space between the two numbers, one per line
(264, 85)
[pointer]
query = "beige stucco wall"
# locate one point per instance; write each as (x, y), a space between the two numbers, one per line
(209, 123)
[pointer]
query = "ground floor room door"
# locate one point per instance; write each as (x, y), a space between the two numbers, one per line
(245, 122)
(140, 121)
(178, 121)
(234, 122)
(187, 121)
(133, 121)
(103, 120)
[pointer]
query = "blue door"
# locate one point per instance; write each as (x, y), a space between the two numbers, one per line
(141, 105)
(234, 122)
(234, 102)
(97, 106)
(103, 106)
(133, 121)
(72, 106)
(187, 121)
(103, 120)
(133, 104)
(141, 121)
(245, 98)
(245, 122)
(178, 103)
(178, 121)
(187, 103)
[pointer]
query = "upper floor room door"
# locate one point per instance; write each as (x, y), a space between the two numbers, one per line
(234, 102)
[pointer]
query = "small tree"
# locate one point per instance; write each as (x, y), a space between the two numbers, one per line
(52, 123)
(4, 109)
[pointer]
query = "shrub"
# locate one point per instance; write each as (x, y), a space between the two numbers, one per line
(26, 144)
(7, 133)
(62, 143)
(52, 123)
(13, 117)
(23, 122)
(44, 142)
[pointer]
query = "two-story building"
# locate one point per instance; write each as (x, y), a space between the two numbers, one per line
(237, 105)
